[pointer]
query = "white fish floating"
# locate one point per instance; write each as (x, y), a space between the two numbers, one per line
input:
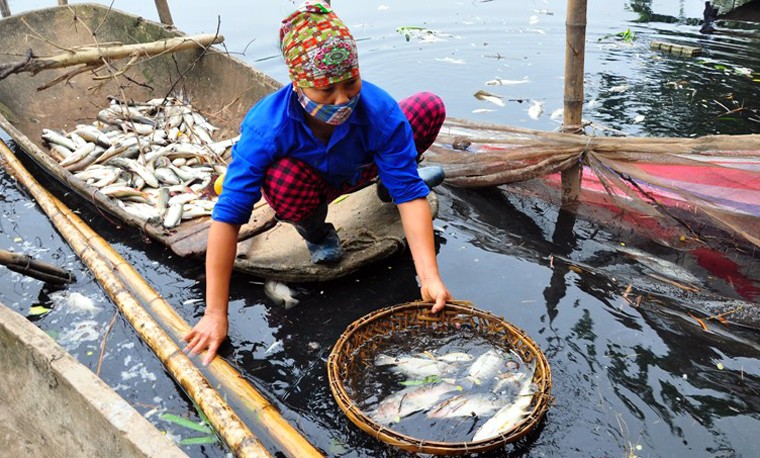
(503, 82)
(619, 89)
(280, 293)
(536, 109)
(488, 97)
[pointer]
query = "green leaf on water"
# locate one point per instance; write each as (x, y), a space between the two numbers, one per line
(720, 67)
(199, 440)
(38, 310)
(185, 423)
(337, 447)
(425, 381)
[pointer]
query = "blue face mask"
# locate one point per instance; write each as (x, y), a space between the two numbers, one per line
(331, 114)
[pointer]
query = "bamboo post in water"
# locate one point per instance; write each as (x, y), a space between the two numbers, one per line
(575, 50)
(224, 420)
(4, 10)
(164, 14)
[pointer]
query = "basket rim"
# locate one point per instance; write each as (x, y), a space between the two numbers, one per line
(540, 400)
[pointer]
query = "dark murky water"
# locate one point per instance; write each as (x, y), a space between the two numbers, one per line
(630, 377)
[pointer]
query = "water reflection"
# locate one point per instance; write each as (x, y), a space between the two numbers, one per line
(639, 367)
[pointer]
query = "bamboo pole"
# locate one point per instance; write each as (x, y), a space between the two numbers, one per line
(164, 13)
(40, 270)
(4, 10)
(95, 54)
(226, 422)
(575, 51)
(267, 416)
(268, 419)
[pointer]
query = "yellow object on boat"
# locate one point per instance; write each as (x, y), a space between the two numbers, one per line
(218, 184)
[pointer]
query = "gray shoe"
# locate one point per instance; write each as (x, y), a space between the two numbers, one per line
(432, 175)
(327, 250)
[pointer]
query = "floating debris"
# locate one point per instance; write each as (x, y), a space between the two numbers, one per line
(450, 60)
(422, 34)
(75, 302)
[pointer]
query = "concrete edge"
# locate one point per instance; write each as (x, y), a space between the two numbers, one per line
(73, 397)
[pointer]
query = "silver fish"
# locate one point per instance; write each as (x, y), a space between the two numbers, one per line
(536, 109)
(455, 357)
(414, 367)
(486, 366)
(509, 415)
(173, 216)
(280, 294)
(78, 154)
(467, 405)
(488, 97)
(410, 400)
(52, 136)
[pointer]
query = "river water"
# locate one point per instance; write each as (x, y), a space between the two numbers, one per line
(630, 378)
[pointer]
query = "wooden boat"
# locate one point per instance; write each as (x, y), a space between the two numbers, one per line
(221, 87)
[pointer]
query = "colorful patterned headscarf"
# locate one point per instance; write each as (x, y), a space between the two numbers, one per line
(318, 48)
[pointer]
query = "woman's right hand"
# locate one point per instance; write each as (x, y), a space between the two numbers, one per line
(208, 335)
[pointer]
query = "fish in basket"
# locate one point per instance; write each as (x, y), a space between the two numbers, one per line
(460, 381)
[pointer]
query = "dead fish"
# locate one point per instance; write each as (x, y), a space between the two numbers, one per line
(52, 136)
(486, 366)
(280, 294)
(414, 367)
(467, 405)
(173, 216)
(410, 400)
(488, 97)
(503, 82)
(536, 109)
(455, 357)
(509, 415)
(660, 266)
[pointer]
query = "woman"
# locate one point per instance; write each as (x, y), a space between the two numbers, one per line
(327, 134)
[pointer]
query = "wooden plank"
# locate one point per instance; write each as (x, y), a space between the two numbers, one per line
(673, 48)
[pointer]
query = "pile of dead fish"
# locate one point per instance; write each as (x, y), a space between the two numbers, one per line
(158, 159)
(494, 389)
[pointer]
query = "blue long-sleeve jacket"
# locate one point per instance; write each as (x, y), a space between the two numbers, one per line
(377, 131)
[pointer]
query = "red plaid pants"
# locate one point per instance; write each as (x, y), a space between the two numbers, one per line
(295, 190)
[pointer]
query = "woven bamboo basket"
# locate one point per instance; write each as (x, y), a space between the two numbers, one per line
(361, 339)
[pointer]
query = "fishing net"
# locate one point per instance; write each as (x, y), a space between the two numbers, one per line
(360, 343)
(680, 192)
